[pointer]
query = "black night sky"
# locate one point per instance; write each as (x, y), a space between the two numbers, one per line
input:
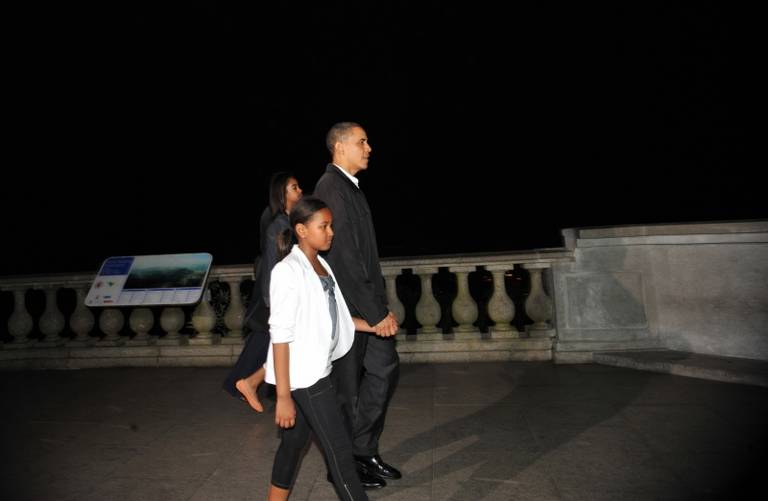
(151, 128)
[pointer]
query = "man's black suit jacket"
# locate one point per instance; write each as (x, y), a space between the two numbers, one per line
(354, 256)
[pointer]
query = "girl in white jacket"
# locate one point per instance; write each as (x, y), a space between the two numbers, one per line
(310, 327)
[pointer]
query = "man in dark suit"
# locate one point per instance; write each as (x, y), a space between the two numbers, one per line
(366, 377)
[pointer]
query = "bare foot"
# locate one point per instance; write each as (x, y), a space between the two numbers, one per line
(277, 494)
(248, 390)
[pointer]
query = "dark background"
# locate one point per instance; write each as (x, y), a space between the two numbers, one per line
(151, 128)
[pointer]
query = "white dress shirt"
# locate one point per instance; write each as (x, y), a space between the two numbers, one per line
(299, 316)
(349, 176)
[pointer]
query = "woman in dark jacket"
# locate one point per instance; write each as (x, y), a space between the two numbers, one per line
(248, 373)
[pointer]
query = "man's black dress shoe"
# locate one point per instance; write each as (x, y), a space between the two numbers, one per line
(374, 465)
(368, 481)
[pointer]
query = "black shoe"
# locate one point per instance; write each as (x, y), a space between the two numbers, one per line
(368, 481)
(374, 465)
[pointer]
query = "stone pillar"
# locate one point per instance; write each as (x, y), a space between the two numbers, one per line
(111, 322)
(52, 320)
(501, 309)
(233, 317)
(539, 306)
(171, 320)
(427, 309)
(141, 321)
(20, 323)
(203, 321)
(395, 306)
(82, 321)
(464, 308)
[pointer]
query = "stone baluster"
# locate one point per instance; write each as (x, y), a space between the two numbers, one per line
(464, 307)
(111, 322)
(52, 321)
(538, 305)
(395, 306)
(501, 309)
(82, 321)
(233, 317)
(171, 320)
(141, 321)
(427, 309)
(203, 321)
(20, 323)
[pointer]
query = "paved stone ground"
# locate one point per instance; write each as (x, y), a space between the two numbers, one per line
(478, 431)
(681, 363)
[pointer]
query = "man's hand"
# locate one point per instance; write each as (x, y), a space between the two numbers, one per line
(387, 327)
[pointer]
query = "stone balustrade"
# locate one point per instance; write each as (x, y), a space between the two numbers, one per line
(210, 333)
(699, 287)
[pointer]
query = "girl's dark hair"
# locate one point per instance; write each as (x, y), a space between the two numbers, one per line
(301, 213)
(277, 185)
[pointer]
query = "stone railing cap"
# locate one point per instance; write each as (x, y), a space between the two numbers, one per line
(703, 228)
(480, 259)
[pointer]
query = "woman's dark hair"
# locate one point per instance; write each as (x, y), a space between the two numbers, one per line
(301, 213)
(277, 184)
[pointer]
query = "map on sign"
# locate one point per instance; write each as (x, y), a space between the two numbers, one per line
(167, 279)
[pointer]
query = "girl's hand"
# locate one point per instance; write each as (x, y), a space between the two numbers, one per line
(285, 412)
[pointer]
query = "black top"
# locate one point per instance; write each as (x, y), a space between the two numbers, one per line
(354, 256)
(269, 252)
(256, 316)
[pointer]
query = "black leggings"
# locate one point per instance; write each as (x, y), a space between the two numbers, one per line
(317, 410)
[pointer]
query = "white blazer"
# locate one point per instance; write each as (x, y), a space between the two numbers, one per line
(299, 316)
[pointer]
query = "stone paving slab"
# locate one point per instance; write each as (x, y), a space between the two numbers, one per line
(680, 363)
(470, 431)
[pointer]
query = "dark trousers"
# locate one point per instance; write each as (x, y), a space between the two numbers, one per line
(251, 359)
(254, 354)
(365, 379)
(317, 411)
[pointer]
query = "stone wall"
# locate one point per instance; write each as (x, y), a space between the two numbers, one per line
(701, 288)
